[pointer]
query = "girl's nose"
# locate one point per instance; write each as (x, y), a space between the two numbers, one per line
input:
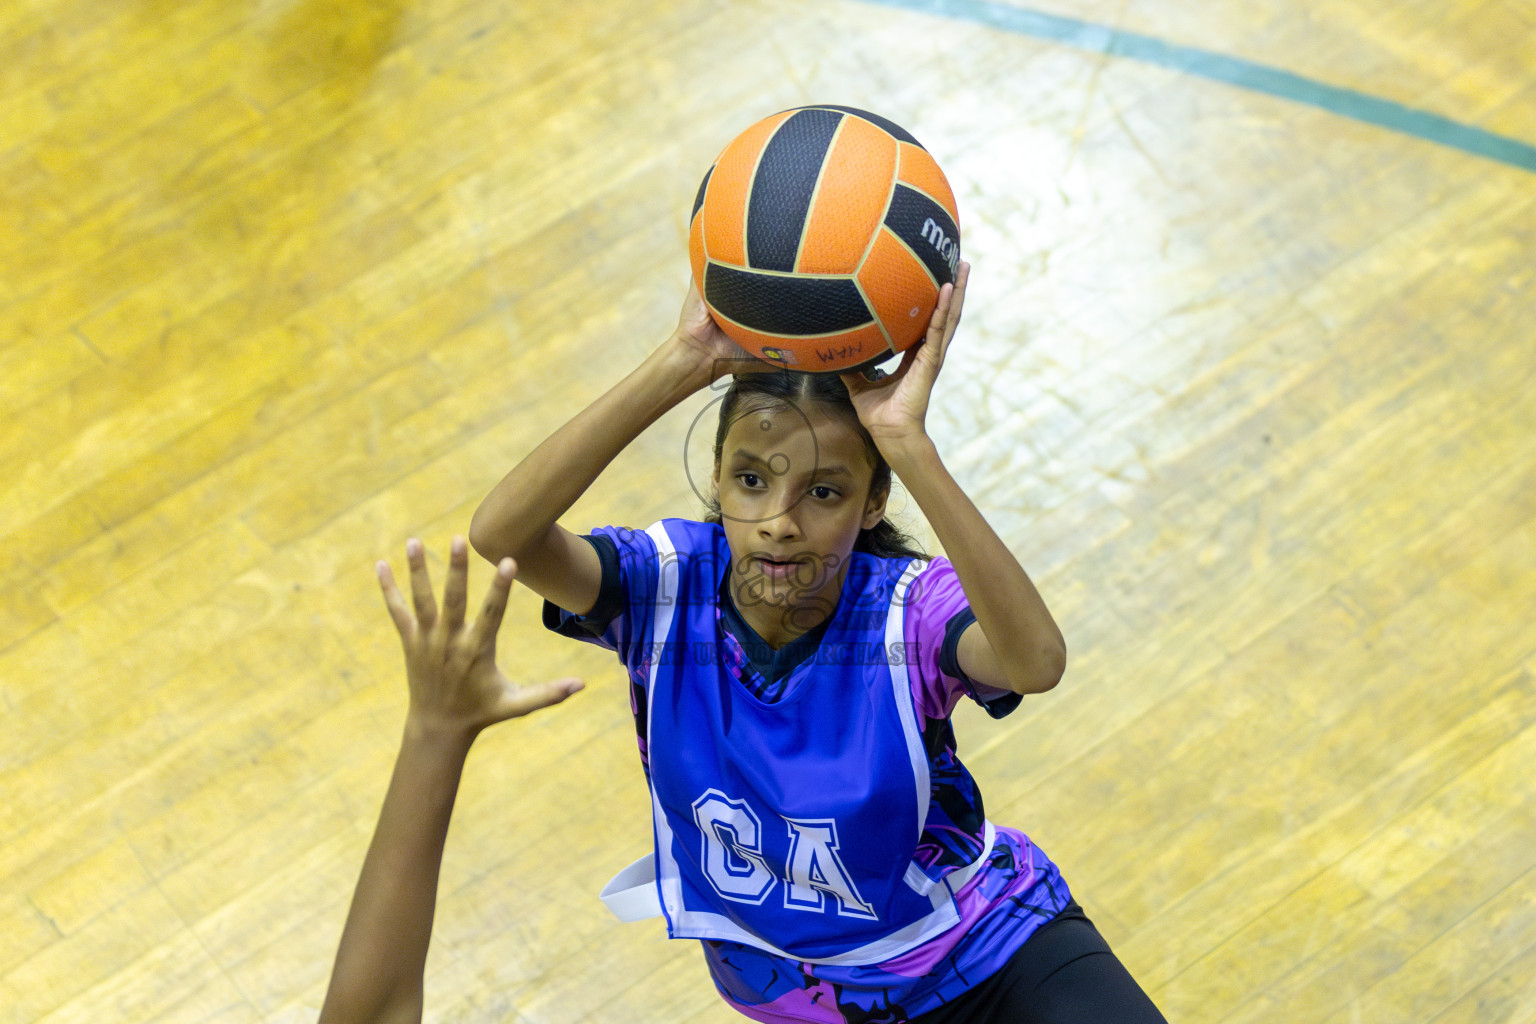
(782, 525)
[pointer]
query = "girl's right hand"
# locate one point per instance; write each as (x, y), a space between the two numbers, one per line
(702, 339)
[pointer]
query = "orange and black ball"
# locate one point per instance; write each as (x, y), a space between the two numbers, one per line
(820, 238)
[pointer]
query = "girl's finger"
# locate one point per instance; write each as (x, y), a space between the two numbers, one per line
(454, 593)
(494, 607)
(951, 306)
(421, 584)
(956, 302)
(395, 601)
(940, 316)
(857, 383)
(910, 356)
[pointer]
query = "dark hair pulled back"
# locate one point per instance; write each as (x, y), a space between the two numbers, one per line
(790, 389)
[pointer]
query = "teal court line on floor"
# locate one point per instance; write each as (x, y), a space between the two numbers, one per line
(1272, 81)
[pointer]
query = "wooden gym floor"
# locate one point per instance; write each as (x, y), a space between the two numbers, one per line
(1244, 381)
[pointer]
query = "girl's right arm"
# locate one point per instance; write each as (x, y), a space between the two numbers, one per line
(518, 518)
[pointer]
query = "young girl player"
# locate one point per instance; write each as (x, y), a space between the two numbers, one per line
(793, 665)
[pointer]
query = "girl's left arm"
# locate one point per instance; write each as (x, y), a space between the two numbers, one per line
(1017, 646)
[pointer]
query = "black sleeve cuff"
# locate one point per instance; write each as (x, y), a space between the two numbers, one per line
(949, 663)
(610, 597)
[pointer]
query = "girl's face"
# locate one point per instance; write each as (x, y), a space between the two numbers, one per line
(794, 488)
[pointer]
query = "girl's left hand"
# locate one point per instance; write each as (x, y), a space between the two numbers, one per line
(893, 407)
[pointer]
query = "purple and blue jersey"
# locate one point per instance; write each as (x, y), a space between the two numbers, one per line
(813, 824)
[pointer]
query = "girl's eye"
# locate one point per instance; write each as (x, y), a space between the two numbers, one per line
(822, 492)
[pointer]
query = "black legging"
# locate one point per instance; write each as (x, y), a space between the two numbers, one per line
(1063, 974)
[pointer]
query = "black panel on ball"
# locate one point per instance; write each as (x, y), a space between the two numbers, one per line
(928, 230)
(698, 200)
(788, 306)
(890, 126)
(783, 186)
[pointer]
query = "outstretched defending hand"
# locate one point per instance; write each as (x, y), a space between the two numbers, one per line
(454, 681)
(456, 690)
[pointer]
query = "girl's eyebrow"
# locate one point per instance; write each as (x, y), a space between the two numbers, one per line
(741, 455)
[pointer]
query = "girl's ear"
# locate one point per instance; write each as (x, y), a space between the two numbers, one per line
(874, 508)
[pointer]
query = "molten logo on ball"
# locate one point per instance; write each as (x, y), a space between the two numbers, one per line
(948, 248)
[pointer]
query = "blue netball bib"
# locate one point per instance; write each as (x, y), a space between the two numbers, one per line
(791, 826)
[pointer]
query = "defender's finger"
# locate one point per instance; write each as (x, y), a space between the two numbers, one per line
(454, 593)
(405, 623)
(526, 699)
(494, 606)
(421, 584)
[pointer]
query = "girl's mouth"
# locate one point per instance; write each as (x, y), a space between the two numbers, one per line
(777, 570)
